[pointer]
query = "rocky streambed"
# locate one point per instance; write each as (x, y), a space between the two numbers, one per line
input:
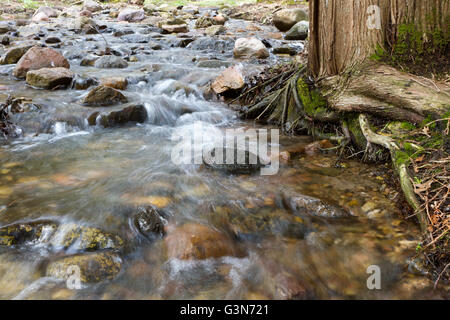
(88, 182)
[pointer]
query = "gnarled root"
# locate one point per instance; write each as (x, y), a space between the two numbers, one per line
(399, 166)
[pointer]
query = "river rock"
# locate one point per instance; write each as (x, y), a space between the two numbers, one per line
(198, 241)
(81, 83)
(91, 5)
(176, 28)
(248, 164)
(37, 58)
(285, 50)
(250, 48)
(41, 16)
(131, 15)
(213, 64)
(85, 13)
(83, 25)
(230, 79)
(110, 62)
(27, 233)
(104, 96)
(204, 22)
(51, 40)
(89, 60)
(136, 113)
(5, 28)
(220, 19)
(13, 55)
(149, 222)
(119, 83)
(83, 238)
(93, 267)
(299, 31)
(305, 205)
(49, 78)
(49, 12)
(215, 30)
(287, 18)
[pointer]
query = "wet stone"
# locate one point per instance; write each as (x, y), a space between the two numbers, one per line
(104, 96)
(250, 162)
(93, 267)
(149, 222)
(27, 233)
(305, 205)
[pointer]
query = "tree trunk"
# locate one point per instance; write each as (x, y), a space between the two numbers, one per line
(344, 33)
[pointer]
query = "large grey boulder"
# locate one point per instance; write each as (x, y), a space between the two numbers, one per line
(286, 18)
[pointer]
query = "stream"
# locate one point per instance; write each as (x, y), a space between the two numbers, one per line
(64, 170)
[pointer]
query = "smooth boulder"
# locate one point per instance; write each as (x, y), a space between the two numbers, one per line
(91, 5)
(250, 48)
(197, 241)
(137, 114)
(103, 96)
(37, 58)
(50, 78)
(298, 32)
(93, 267)
(110, 62)
(287, 18)
(13, 55)
(131, 15)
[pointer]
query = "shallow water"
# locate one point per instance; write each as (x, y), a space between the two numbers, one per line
(94, 176)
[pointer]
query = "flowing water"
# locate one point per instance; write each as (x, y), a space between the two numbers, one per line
(64, 170)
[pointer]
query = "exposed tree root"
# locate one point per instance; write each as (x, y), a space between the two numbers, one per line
(399, 165)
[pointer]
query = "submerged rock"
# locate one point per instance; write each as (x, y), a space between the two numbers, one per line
(197, 241)
(250, 48)
(136, 113)
(93, 267)
(176, 28)
(38, 58)
(305, 205)
(149, 222)
(104, 96)
(287, 18)
(81, 238)
(249, 163)
(27, 233)
(50, 78)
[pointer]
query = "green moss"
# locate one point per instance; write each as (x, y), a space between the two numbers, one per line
(313, 101)
(357, 135)
(418, 51)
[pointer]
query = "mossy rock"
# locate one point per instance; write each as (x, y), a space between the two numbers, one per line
(89, 239)
(93, 267)
(27, 233)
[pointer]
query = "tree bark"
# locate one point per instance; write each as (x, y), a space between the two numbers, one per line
(345, 33)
